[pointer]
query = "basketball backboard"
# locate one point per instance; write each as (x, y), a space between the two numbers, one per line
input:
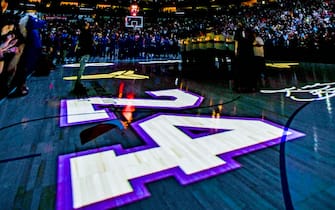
(134, 21)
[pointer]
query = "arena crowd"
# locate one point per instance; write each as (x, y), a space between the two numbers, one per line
(303, 28)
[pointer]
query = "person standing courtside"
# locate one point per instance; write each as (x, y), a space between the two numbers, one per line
(30, 27)
(84, 49)
(259, 54)
(244, 74)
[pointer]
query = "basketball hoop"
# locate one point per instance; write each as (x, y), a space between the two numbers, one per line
(134, 22)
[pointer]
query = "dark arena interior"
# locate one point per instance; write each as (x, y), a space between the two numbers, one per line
(167, 104)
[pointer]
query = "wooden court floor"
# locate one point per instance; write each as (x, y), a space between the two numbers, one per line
(145, 136)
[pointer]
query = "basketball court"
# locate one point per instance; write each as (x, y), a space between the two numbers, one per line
(148, 137)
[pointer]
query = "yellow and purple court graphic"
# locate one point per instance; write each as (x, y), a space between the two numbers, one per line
(125, 74)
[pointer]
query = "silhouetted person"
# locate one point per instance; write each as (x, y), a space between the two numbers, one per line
(84, 49)
(245, 74)
(259, 55)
